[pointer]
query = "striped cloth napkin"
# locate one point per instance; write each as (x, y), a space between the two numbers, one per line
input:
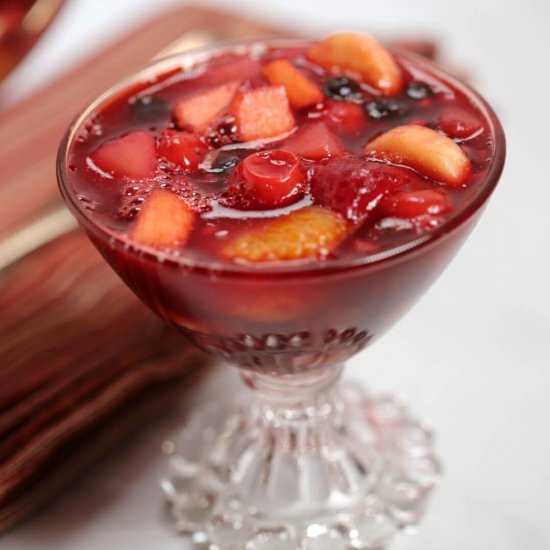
(75, 375)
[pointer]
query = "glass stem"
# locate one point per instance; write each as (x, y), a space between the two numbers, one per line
(296, 446)
(306, 463)
(295, 393)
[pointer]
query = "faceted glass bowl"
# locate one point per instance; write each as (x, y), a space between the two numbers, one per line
(305, 464)
(292, 316)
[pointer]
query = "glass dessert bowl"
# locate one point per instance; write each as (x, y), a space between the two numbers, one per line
(282, 204)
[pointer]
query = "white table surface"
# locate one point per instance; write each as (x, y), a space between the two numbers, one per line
(473, 355)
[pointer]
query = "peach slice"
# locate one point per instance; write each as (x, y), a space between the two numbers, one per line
(310, 232)
(425, 150)
(360, 54)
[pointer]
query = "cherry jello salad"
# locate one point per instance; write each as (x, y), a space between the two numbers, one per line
(284, 153)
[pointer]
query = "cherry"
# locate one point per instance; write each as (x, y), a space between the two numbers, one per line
(183, 149)
(459, 123)
(411, 204)
(346, 118)
(267, 179)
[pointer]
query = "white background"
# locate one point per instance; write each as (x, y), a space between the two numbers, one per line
(474, 355)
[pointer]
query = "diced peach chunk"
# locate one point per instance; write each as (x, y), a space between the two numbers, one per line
(426, 150)
(360, 54)
(310, 232)
(164, 221)
(263, 113)
(314, 141)
(301, 91)
(202, 110)
(131, 156)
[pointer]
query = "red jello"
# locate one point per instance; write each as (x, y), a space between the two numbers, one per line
(278, 204)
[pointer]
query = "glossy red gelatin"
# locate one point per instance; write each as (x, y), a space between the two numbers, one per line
(271, 231)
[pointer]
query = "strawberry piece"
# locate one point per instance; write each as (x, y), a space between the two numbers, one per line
(132, 156)
(355, 187)
(345, 117)
(301, 91)
(359, 54)
(267, 179)
(459, 123)
(183, 149)
(307, 233)
(410, 204)
(164, 221)
(425, 150)
(314, 141)
(263, 113)
(201, 111)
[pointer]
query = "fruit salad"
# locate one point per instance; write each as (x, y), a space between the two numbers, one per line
(280, 154)
(256, 196)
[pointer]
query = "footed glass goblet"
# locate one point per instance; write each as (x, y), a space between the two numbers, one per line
(306, 462)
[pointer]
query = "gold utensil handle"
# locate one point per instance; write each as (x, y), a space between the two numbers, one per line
(30, 238)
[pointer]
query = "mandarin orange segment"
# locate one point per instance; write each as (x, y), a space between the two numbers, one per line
(362, 55)
(301, 91)
(425, 150)
(311, 232)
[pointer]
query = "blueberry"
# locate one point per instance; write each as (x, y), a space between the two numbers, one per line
(342, 88)
(149, 109)
(382, 108)
(418, 90)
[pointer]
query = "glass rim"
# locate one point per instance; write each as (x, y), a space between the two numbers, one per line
(185, 61)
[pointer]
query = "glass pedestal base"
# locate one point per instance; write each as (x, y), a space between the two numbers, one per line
(305, 464)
